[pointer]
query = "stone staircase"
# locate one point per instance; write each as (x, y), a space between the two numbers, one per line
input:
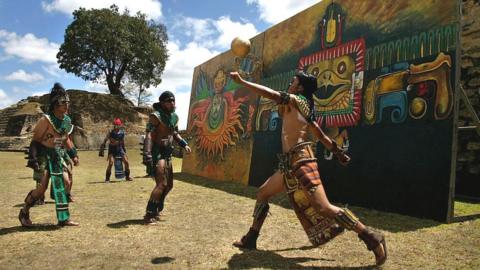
(5, 115)
(12, 143)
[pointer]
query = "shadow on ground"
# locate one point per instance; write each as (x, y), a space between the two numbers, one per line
(34, 228)
(36, 205)
(103, 182)
(253, 259)
(467, 213)
(160, 260)
(466, 218)
(125, 223)
(382, 220)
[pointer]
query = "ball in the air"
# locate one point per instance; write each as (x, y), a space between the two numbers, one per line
(240, 46)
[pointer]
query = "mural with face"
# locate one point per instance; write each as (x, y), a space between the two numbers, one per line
(339, 73)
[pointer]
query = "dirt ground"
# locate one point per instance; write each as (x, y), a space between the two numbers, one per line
(202, 218)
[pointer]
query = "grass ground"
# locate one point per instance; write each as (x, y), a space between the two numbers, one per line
(202, 218)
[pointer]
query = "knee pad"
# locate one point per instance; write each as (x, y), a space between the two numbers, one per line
(261, 210)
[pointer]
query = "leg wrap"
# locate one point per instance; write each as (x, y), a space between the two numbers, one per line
(346, 219)
(260, 211)
(152, 207)
(127, 174)
(30, 200)
(107, 175)
(161, 203)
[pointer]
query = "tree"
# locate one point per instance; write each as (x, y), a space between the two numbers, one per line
(102, 43)
(138, 94)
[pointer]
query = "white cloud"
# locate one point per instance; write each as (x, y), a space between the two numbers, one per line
(21, 75)
(229, 30)
(206, 37)
(178, 74)
(28, 47)
(152, 8)
(274, 11)
(4, 99)
(210, 33)
(182, 103)
(196, 29)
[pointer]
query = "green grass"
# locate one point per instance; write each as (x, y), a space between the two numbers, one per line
(202, 218)
(463, 208)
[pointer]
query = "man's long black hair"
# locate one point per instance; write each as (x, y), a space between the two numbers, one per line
(55, 94)
(309, 84)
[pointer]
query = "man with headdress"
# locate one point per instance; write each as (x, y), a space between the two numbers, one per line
(161, 131)
(298, 171)
(50, 149)
(116, 149)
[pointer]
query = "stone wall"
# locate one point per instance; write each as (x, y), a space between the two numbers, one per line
(91, 113)
(468, 160)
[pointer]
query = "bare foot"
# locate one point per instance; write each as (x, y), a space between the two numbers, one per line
(150, 221)
(68, 223)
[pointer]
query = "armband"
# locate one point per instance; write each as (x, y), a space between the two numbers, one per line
(284, 98)
(72, 152)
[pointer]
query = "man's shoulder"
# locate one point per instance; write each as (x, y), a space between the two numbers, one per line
(42, 121)
(301, 104)
(155, 114)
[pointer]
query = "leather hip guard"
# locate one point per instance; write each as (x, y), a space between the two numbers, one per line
(300, 172)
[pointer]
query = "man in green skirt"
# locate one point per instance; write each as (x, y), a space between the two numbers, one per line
(50, 149)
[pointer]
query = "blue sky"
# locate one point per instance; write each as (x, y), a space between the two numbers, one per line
(31, 32)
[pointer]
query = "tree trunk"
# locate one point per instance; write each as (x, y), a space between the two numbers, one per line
(140, 91)
(113, 87)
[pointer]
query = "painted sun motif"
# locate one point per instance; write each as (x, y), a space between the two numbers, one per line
(216, 120)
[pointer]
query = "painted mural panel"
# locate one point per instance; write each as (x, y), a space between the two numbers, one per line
(220, 120)
(386, 75)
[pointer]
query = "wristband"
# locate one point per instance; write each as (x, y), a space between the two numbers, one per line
(183, 143)
(72, 152)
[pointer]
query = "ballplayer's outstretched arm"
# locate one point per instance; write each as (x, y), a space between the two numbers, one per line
(257, 88)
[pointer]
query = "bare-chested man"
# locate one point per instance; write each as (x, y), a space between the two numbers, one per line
(51, 143)
(161, 131)
(296, 109)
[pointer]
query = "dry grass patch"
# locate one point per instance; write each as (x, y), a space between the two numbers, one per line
(202, 218)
